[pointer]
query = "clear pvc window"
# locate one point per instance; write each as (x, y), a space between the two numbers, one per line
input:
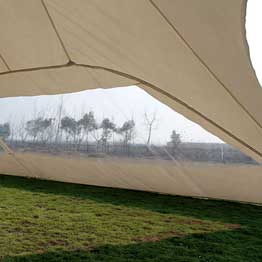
(1, 150)
(118, 123)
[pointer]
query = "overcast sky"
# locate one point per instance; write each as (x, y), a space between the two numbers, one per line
(121, 104)
(254, 34)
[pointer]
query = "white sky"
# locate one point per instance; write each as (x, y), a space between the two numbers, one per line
(120, 104)
(123, 104)
(254, 34)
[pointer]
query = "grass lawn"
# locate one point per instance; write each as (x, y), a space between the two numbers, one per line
(52, 221)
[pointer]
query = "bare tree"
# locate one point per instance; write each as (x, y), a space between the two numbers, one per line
(32, 128)
(96, 136)
(12, 134)
(5, 131)
(150, 122)
(21, 131)
(60, 110)
(37, 128)
(45, 128)
(175, 142)
(49, 131)
(127, 131)
(88, 124)
(71, 128)
(108, 127)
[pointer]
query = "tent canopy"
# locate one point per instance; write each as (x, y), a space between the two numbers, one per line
(192, 55)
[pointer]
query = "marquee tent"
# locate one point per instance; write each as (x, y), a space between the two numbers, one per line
(191, 55)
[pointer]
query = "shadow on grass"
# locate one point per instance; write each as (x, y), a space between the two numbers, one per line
(241, 244)
(223, 211)
(213, 247)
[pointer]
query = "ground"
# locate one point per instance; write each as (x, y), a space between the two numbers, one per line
(52, 221)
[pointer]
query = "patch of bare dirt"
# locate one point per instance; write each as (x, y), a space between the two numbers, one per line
(232, 226)
(160, 236)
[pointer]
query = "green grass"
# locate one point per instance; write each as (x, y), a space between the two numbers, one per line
(52, 221)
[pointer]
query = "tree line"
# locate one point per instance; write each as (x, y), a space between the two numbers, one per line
(81, 132)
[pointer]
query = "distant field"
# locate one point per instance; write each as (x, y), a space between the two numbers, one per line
(52, 221)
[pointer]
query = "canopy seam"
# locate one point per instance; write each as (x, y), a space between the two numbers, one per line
(11, 153)
(33, 69)
(56, 31)
(5, 63)
(203, 62)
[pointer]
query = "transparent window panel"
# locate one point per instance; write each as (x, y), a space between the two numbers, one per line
(118, 123)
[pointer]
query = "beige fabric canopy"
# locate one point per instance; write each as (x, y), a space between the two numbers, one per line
(192, 55)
